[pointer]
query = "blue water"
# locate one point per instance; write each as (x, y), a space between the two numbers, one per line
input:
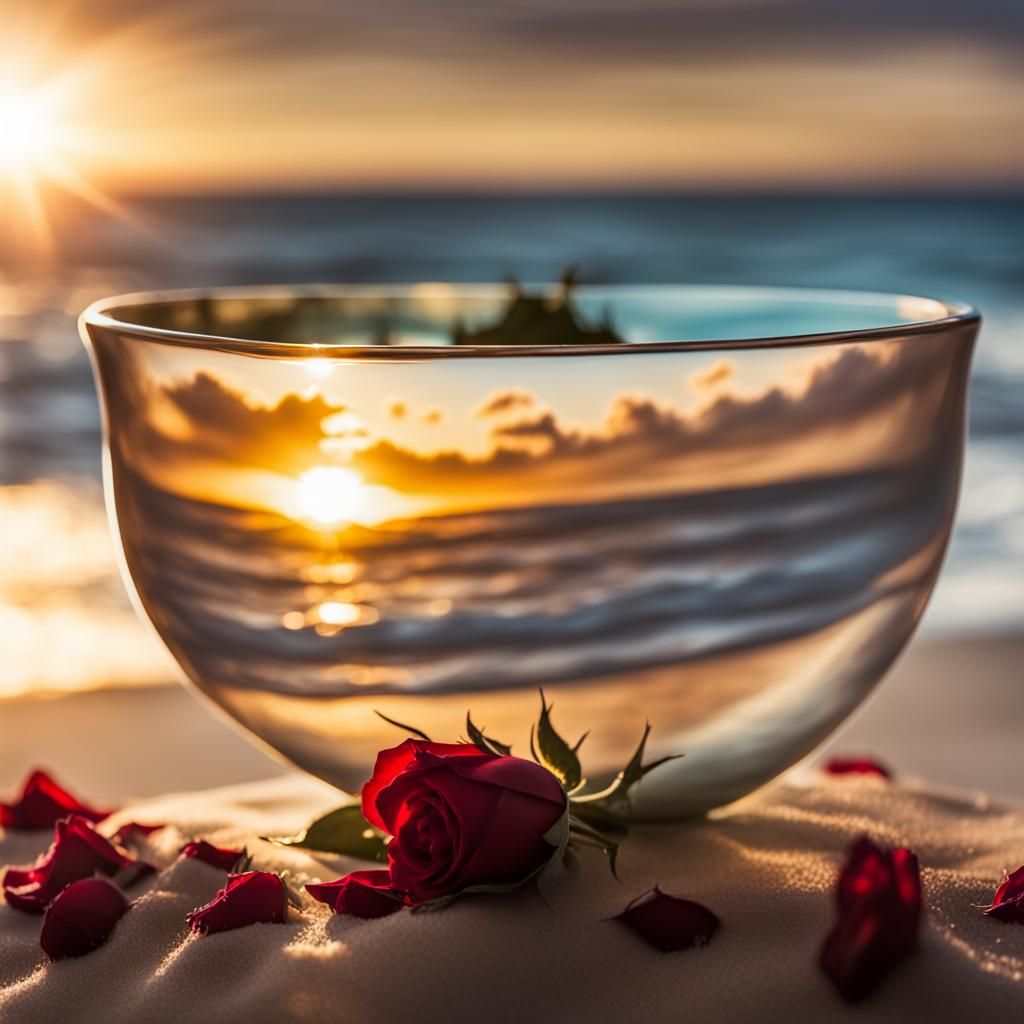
(970, 249)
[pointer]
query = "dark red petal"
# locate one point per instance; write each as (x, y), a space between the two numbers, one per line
(43, 803)
(216, 856)
(517, 774)
(364, 894)
(669, 923)
(879, 900)
(255, 897)
(393, 761)
(1008, 903)
(78, 851)
(857, 766)
(81, 918)
(134, 830)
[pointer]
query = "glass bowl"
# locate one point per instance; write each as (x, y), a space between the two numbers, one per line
(720, 510)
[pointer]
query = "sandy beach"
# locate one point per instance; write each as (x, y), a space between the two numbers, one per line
(949, 712)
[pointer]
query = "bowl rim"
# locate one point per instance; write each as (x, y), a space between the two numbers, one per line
(100, 314)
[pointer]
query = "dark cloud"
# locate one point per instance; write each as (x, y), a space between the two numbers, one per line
(505, 401)
(604, 32)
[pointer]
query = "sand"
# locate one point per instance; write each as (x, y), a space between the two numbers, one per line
(949, 712)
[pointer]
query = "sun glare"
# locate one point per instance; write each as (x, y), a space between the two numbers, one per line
(31, 133)
(331, 494)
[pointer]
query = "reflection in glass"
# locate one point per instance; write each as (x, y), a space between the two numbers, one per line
(731, 539)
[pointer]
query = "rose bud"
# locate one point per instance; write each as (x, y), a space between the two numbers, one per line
(669, 923)
(215, 856)
(461, 818)
(81, 918)
(1008, 902)
(857, 766)
(366, 894)
(43, 803)
(78, 851)
(879, 901)
(256, 897)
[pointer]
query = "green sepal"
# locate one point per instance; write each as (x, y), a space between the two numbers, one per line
(553, 752)
(614, 800)
(243, 864)
(485, 743)
(419, 733)
(580, 831)
(345, 832)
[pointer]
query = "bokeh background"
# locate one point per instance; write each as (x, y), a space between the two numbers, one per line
(803, 142)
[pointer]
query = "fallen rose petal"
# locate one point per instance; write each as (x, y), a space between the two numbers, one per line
(669, 923)
(215, 856)
(81, 918)
(1008, 903)
(365, 894)
(255, 897)
(134, 830)
(857, 766)
(879, 898)
(43, 803)
(78, 851)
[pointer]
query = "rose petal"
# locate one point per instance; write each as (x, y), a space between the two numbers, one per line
(392, 762)
(879, 899)
(1008, 903)
(255, 897)
(43, 803)
(216, 856)
(133, 830)
(669, 923)
(857, 766)
(81, 918)
(365, 894)
(78, 851)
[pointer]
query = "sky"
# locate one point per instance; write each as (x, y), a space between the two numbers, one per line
(438, 94)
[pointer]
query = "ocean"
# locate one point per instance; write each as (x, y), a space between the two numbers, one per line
(65, 623)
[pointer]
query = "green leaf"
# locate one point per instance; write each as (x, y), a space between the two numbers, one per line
(478, 739)
(581, 832)
(555, 754)
(407, 728)
(344, 831)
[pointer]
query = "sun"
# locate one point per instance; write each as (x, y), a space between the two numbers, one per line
(32, 134)
(331, 494)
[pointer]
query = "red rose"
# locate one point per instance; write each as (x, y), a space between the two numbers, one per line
(857, 766)
(78, 851)
(879, 899)
(461, 818)
(42, 804)
(215, 856)
(366, 894)
(1008, 902)
(81, 918)
(255, 897)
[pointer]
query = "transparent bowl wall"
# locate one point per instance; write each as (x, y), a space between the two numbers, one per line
(729, 525)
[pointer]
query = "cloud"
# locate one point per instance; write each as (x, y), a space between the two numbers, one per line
(845, 406)
(505, 401)
(397, 409)
(883, 390)
(718, 373)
